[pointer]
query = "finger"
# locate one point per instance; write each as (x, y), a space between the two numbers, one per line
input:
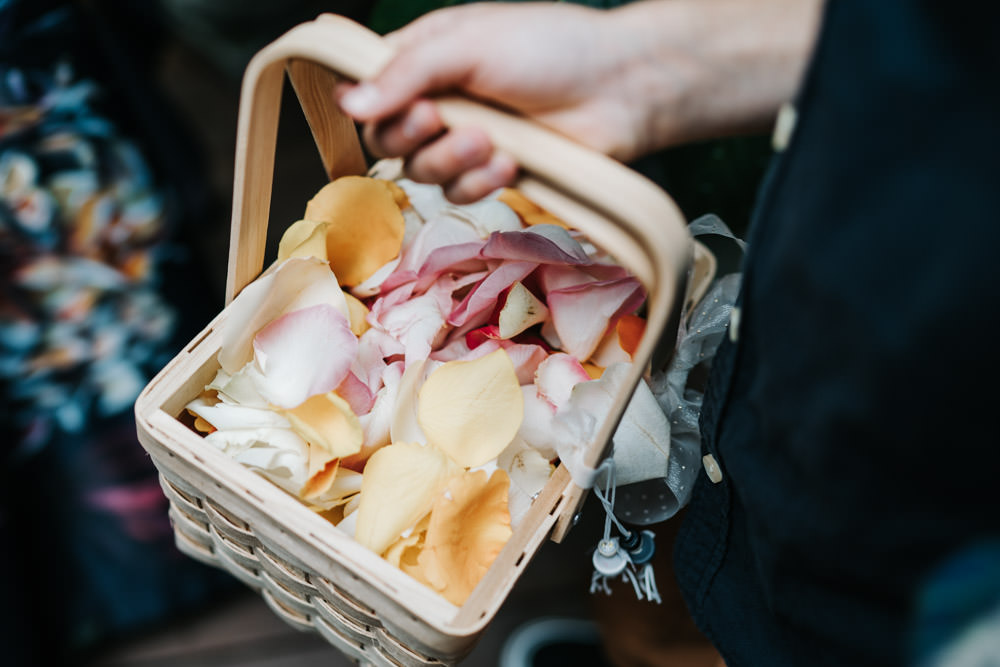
(457, 151)
(403, 134)
(499, 171)
(415, 71)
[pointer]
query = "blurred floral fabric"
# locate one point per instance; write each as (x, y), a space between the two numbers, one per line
(81, 222)
(97, 292)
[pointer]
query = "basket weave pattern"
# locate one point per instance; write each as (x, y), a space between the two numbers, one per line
(210, 533)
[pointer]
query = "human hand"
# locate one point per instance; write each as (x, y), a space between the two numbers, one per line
(624, 82)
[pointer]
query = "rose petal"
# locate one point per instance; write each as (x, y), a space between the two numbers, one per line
(279, 454)
(405, 426)
(303, 353)
(400, 485)
(529, 212)
(303, 238)
(476, 307)
(295, 284)
(471, 409)
(376, 423)
(357, 394)
(225, 416)
(582, 313)
(364, 225)
(521, 310)
(556, 377)
(529, 472)
(539, 420)
(468, 528)
(326, 421)
(542, 244)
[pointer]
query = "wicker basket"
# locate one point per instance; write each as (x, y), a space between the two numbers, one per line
(311, 574)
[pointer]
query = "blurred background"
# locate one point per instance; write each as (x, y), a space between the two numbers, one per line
(117, 134)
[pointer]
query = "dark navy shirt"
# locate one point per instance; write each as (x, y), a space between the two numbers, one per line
(855, 417)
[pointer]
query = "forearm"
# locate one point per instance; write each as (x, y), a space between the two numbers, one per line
(708, 68)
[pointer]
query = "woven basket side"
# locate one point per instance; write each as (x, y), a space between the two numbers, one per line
(213, 534)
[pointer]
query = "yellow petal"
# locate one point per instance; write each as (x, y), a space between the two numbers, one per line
(400, 483)
(357, 314)
(403, 552)
(364, 226)
(304, 238)
(327, 421)
(469, 525)
(472, 409)
(529, 212)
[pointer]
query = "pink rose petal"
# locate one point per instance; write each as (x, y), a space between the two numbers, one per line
(478, 304)
(557, 375)
(357, 394)
(304, 353)
(541, 244)
(582, 314)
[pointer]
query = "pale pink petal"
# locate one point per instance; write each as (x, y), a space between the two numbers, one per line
(478, 304)
(557, 375)
(461, 258)
(304, 353)
(439, 233)
(541, 244)
(582, 313)
(357, 394)
(538, 422)
(296, 283)
(374, 347)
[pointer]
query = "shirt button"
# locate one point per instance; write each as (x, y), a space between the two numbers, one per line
(734, 324)
(784, 126)
(712, 468)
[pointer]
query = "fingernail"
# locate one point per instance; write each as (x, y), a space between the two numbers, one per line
(360, 100)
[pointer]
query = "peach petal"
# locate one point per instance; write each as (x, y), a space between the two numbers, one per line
(327, 421)
(365, 226)
(468, 528)
(471, 409)
(399, 486)
(529, 212)
(521, 310)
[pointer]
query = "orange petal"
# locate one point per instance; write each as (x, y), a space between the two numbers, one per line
(530, 212)
(398, 194)
(469, 525)
(472, 409)
(630, 329)
(364, 226)
(322, 471)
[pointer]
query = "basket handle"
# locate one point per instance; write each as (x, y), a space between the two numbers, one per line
(623, 212)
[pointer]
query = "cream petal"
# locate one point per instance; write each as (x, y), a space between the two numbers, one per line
(226, 416)
(521, 310)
